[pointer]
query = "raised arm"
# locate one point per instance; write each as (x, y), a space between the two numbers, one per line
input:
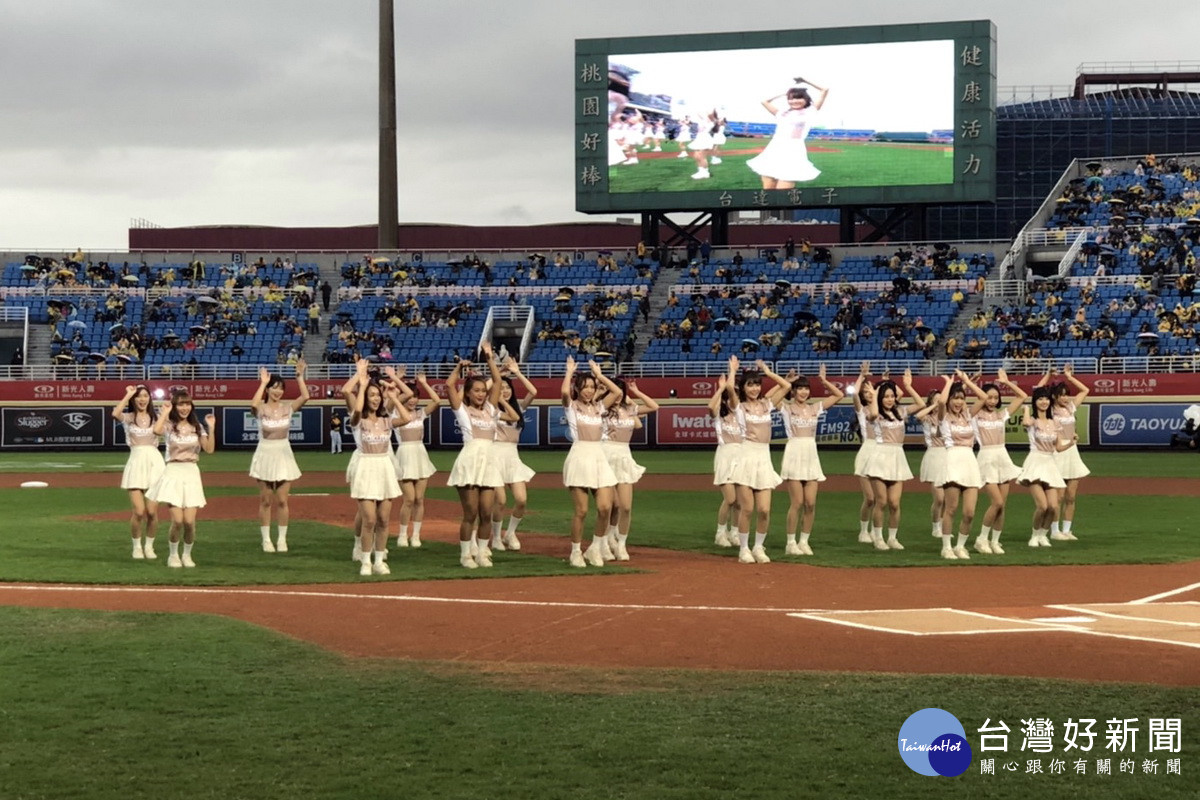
(453, 393)
(401, 415)
(494, 371)
(209, 440)
(348, 390)
(822, 93)
(869, 408)
(360, 397)
(434, 401)
(835, 394)
(530, 390)
(1082, 393)
(302, 380)
(118, 412)
(264, 377)
(864, 370)
(1018, 394)
(508, 413)
(781, 385)
(731, 383)
(614, 391)
(160, 422)
(1045, 378)
(714, 402)
(974, 387)
(568, 379)
(906, 381)
(648, 403)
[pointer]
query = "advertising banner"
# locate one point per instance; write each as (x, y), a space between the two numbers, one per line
(449, 433)
(53, 427)
(118, 430)
(558, 432)
(1139, 424)
(238, 427)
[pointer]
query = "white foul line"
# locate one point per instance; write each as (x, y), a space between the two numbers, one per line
(393, 597)
(1161, 595)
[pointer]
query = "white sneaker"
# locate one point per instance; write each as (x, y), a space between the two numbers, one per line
(682, 154)
(497, 544)
(760, 556)
(865, 538)
(983, 546)
(805, 550)
(356, 554)
(948, 554)
(401, 541)
(622, 552)
(700, 174)
(612, 544)
(1058, 536)
(593, 555)
(281, 545)
(468, 562)
(745, 556)
(629, 161)
(1035, 541)
(714, 160)
(894, 544)
(721, 540)
(792, 549)
(1070, 537)
(879, 544)
(997, 550)
(935, 534)
(173, 562)
(511, 541)
(267, 546)
(962, 553)
(186, 558)
(657, 150)
(380, 569)
(576, 559)
(138, 555)
(414, 540)
(484, 557)
(148, 549)
(1044, 541)
(604, 549)
(364, 568)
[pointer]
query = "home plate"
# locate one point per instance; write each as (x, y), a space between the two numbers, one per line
(1063, 619)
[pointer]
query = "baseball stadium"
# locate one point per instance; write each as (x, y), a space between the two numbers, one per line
(866, 456)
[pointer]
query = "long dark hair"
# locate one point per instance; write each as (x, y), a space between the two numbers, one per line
(273, 381)
(182, 396)
(366, 409)
(800, 383)
(614, 409)
(131, 408)
(579, 380)
(749, 376)
(988, 387)
(893, 414)
(512, 403)
(1039, 392)
(471, 381)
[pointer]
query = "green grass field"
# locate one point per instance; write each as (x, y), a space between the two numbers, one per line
(842, 165)
(99, 705)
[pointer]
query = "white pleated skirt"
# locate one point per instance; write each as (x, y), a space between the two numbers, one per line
(1070, 465)
(995, 465)
(179, 486)
(961, 469)
(800, 460)
(412, 463)
(374, 478)
(887, 463)
(144, 468)
(755, 469)
(620, 460)
(933, 465)
(586, 467)
(725, 463)
(474, 466)
(353, 463)
(863, 456)
(273, 461)
(1041, 467)
(509, 464)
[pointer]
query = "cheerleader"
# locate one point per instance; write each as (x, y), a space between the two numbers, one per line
(933, 462)
(474, 473)
(995, 465)
(866, 434)
(135, 412)
(756, 476)
(273, 465)
(701, 147)
(179, 488)
(373, 483)
(801, 465)
(349, 397)
(658, 133)
(620, 421)
(718, 139)
(960, 479)
(1070, 465)
(888, 468)
(731, 431)
(1040, 470)
(412, 463)
(515, 476)
(684, 136)
(585, 470)
(784, 161)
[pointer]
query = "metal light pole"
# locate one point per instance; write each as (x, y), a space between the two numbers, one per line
(389, 210)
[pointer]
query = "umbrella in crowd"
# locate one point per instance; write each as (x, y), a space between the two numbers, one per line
(96, 356)
(830, 335)
(208, 300)
(117, 327)
(124, 359)
(751, 343)
(28, 268)
(782, 284)
(199, 329)
(76, 324)
(129, 278)
(381, 261)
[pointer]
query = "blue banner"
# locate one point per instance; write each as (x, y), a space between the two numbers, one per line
(1140, 424)
(449, 434)
(559, 431)
(240, 427)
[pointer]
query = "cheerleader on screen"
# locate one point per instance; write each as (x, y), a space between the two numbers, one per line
(995, 465)
(784, 161)
(135, 412)
(801, 470)
(273, 465)
(180, 488)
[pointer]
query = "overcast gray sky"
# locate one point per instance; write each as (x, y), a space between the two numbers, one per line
(249, 112)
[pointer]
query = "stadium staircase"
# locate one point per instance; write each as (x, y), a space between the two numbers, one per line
(660, 292)
(40, 351)
(975, 301)
(315, 343)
